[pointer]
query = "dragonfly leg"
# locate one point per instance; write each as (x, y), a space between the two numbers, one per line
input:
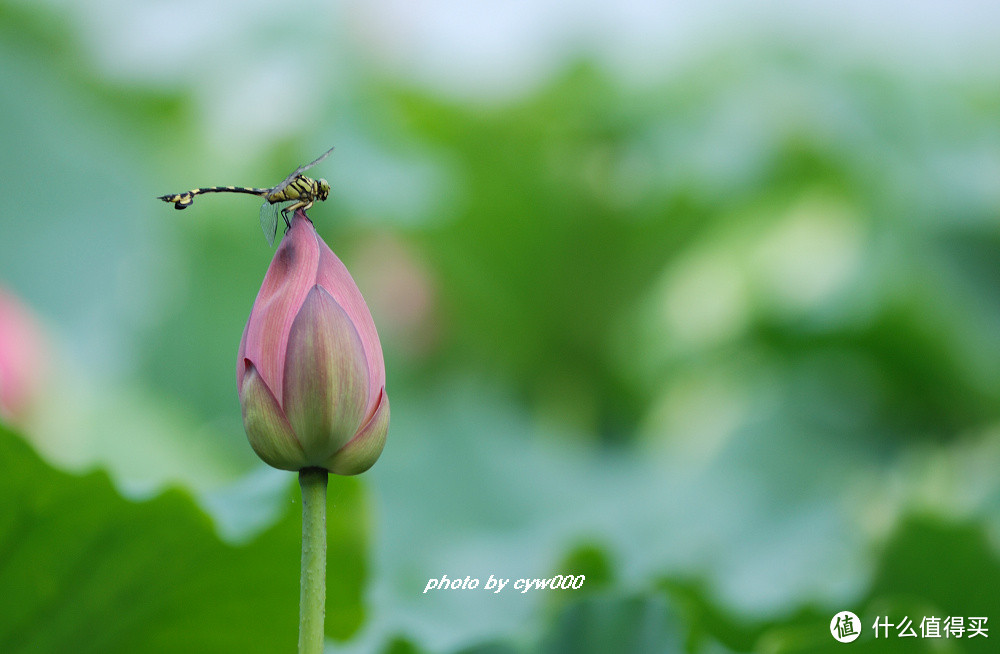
(292, 208)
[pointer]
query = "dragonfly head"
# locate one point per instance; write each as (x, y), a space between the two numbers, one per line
(324, 189)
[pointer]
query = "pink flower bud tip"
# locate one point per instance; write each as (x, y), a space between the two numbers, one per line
(309, 371)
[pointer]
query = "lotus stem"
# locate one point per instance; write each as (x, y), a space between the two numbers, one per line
(312, 599)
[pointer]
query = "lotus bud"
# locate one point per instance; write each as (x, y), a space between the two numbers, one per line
(310, 372)
(23, 359)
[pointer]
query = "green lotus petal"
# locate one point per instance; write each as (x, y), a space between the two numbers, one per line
(326, 377)
(268, 431)
(365, 448)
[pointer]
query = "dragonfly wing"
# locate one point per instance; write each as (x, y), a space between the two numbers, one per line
(312, 163)
(298, 171)
(269, 220)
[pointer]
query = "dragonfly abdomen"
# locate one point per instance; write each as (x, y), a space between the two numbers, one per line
(184, 200)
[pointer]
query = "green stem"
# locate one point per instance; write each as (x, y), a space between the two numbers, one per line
(312, 600)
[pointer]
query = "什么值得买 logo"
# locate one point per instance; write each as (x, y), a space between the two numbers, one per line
(845, 626)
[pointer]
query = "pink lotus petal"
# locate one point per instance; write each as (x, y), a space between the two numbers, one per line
(290, 276)
(23, 357)
(333, 276)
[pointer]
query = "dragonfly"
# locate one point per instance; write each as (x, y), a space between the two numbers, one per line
(298, 189)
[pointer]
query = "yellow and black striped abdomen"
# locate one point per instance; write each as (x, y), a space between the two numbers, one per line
(184, 200)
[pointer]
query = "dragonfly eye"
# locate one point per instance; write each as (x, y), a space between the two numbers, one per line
(324, 189)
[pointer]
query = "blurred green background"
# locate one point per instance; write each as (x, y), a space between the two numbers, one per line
(699, 301)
